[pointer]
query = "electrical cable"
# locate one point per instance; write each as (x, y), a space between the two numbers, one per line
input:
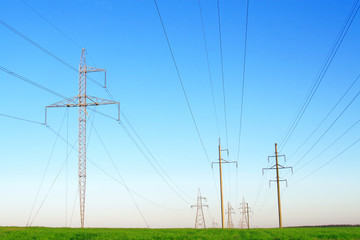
(208, 67)
(332, 124)
(222, 74)
(43, 49)
(122, 179)
(181, 83)
(45, 171)
(327, 115)
(322, 72)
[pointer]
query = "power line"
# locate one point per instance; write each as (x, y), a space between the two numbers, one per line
(243, 79)
(208, 66)
(51, 24)
(21, 119)
(329, 161)
(327, 115)
(242, 95)
(332, 124)
(329, 146)
(122, 179)
(222, 73)
(45, 171)
(181, 82)
(31, 82)
(43, 49)
(322, 72)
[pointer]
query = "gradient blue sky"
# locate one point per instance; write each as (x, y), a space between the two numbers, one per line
(287, 44)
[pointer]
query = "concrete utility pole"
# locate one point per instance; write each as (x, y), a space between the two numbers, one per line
(81, 101)
(221, 161)
(277, 166)
(229, 212)
(200, 219)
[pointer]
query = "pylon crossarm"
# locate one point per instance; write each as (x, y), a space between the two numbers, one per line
(93, 69)
(100, 101)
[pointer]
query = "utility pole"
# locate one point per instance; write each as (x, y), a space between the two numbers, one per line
(200, 219)
(245, 214)
(277, 166)
(81, 101)
(220, 162)
(229, 212)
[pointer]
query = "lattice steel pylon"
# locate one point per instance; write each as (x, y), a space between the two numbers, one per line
(229, 212)
(245, 214)
(200, 219)
(82, 100)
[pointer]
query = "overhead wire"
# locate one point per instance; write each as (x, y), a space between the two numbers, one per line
(181, 83)
(326, 117)
(44, 50)
(20, 119)
(51, 24)
(329, 146)
(45, 171)
(31, 82)
(331, 125)
(327, 162)
(222, 74)
(209, 69)
(242, 95)
(122, 179)
(322, 72)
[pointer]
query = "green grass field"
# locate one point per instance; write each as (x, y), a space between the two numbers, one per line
(103, 233)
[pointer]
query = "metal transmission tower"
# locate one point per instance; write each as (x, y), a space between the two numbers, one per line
(220, 162)
(245, 214)
(200, 219)
(229, 213)
(81, 101)
(276, 167)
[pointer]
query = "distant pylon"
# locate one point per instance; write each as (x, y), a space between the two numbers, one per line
(82, 100)
(200, 219)
(245, 214)
(276, 167)
(229, 213)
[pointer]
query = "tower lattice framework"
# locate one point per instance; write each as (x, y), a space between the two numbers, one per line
(82, 101)
(200, 219)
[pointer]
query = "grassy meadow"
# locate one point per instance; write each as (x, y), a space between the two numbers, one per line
(135, 233)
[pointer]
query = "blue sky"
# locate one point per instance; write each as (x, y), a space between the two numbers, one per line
(288, 42)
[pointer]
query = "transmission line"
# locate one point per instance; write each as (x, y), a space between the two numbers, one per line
(322, 72)
(326, 163)
(52, 25)
(329, 146)
(45, 171)
(332, 124)
(21, 119)
(31, 82)
(43, 49)
(222, 74)
(181, 82)
(208, 67)
(122, 179)
(327, 115)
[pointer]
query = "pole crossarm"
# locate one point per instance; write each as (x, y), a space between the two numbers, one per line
(280, 167)
(224, 161)
(280, 180)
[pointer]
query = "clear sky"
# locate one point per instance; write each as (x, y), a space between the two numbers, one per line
(287, 44)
